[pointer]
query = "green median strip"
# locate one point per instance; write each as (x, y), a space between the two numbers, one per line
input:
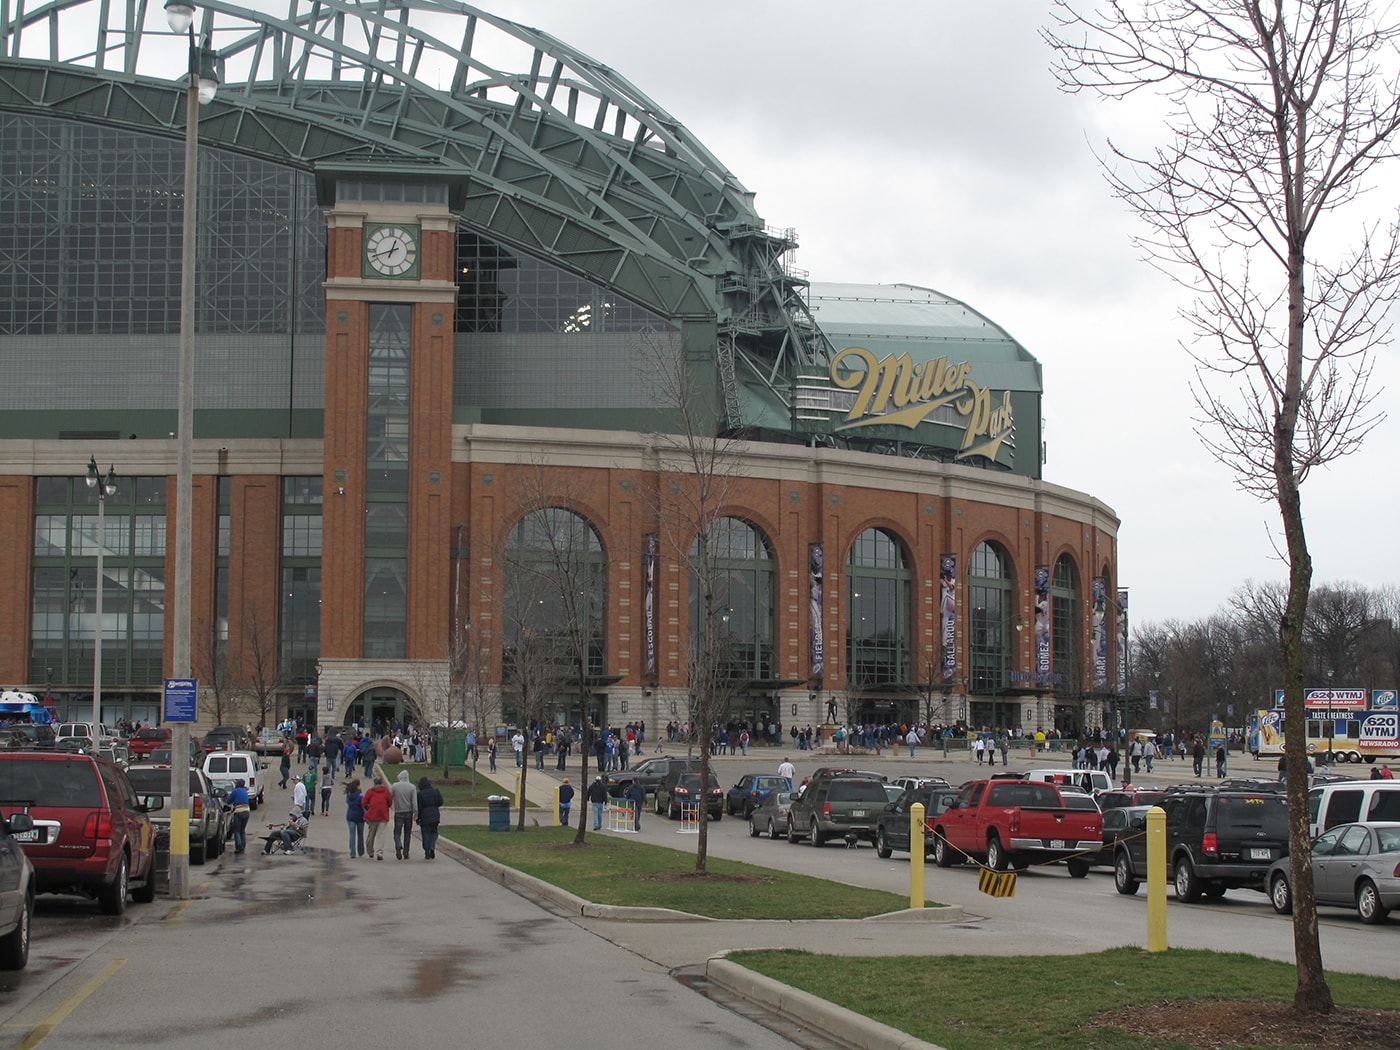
(1058, 1002)
(609, 869)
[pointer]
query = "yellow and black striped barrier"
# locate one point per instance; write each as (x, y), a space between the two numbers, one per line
(997, 883)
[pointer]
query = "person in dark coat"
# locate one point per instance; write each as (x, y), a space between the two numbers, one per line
(637, 793)
(597, 798)
(429, 816)
(566, 801)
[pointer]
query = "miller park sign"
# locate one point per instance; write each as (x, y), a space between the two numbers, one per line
(897, 391)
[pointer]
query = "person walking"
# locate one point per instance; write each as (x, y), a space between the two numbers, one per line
(566, 801)
(912, 739)
(326, 786)
(237, 801)
(405, 801)
(379, 807)
(597, 798)
(429, 816)
(1198, 756)
(286, 767)
(491, 754)
(637, 793)
(299, 794)
(308, 810)
(517, 744)
(787, 769)
(355, 816)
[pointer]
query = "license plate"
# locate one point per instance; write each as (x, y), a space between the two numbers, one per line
(857, 812)
(1057, 843)
(32, 835)
(1260, 853)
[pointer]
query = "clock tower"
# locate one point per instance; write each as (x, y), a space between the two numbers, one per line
(390, 299)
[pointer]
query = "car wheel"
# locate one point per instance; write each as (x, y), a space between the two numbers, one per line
(14, 946)
(1078, 867)
(814, 836)
(1214, 890)
(198, 853)
(792, 832)
(996, 854)
(1368, 903)
(753, 829)
(656, 805)
(882, 845)
(718, 814)
(146, 892)
(772, 829)
(112, 899)
(673, 812)
(1188, 887)
(942, 852)
(1281, 895)
(1123, 879)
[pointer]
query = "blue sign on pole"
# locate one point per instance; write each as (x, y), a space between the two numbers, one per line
(180, 699)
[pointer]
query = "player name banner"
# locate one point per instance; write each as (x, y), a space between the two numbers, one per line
(814, 612)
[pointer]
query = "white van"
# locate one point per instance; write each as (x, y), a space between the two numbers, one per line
(224, 767)
(1090, 780)
(1352, 801)
(99, 734)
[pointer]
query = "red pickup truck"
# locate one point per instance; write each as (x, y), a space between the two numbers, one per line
(1016, 823)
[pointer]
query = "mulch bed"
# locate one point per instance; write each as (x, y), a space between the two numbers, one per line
(1241, 1023)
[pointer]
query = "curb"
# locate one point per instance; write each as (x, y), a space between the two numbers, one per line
(810, 1010)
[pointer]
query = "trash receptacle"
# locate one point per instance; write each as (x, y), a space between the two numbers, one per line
(500, 812)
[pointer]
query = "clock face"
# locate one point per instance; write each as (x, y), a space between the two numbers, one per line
(392, 251)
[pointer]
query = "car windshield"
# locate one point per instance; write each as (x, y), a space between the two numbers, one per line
(49, 783)
(1266, 814)
(157, 781)
(856, 791)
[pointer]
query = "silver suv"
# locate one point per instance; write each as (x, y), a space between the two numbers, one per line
(208, 822)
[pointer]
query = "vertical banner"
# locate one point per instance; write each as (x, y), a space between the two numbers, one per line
(649, 600)
(1098, 632)
(947, 613)
(1042, 623)
(1122, 675)
(814, 601)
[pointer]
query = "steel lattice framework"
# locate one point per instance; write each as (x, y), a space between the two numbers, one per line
(550, 151)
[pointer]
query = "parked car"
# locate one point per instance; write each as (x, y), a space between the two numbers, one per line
(116, 752)
(16, 892)
(1216, 841)
(1352, 801)
(839, 803)
(227, 738)
(270, 740)
(649, 772)
(1353, 866)
(770, 816)
(751, 790)
(918, 781)
(162, 756)
(680, 787)
(224, 767)
(98, 732)
(1088, 780)
(208, 821)
(27, 736)
(148, 739)
(1117, 822)
(91, 834)
(892, 827)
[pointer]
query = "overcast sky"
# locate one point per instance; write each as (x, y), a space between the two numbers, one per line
(927, 143)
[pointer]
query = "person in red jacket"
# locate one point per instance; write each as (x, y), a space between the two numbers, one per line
(379, 806)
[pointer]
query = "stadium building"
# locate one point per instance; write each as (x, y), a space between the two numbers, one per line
(465, 298)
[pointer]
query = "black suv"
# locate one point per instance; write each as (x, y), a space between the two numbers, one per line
(893, 828)
(1216, 840)
(680, 787)
(837, 803)
(649, 772)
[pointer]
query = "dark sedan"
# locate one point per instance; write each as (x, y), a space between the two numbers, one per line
(681, 792)
(1117, 823)
(770, 817)
(892, 827)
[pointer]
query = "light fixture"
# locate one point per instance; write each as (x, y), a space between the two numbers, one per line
(104, 487)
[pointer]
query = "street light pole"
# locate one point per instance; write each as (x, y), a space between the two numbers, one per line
(105, 487)
(200, 87)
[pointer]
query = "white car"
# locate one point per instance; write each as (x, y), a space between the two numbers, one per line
(99, 734)
(224, 767)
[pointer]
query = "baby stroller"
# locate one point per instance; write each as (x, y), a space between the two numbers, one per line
(288, 837)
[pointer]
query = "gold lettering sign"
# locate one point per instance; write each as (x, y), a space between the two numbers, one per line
(899, 391)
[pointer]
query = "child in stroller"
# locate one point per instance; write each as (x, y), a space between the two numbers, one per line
(286, 836)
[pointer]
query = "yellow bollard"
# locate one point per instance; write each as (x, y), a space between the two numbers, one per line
(916, 855)
(1156, 879)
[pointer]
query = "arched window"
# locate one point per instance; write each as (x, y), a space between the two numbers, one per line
(554, 593)
(989, 607)
(741, 598)
(877, 632)
(1064, 627)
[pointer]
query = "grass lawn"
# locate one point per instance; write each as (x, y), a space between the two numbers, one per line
(1049, 1002)
(609, 869)
(458, 789)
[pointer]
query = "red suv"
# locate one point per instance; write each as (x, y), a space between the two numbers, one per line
(91, 834)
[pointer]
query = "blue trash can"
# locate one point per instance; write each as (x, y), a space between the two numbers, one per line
(499, 806)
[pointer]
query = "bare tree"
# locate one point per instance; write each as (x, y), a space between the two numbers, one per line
(1280, 115)
(689, 512)
(258, 670)
(217, 690)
